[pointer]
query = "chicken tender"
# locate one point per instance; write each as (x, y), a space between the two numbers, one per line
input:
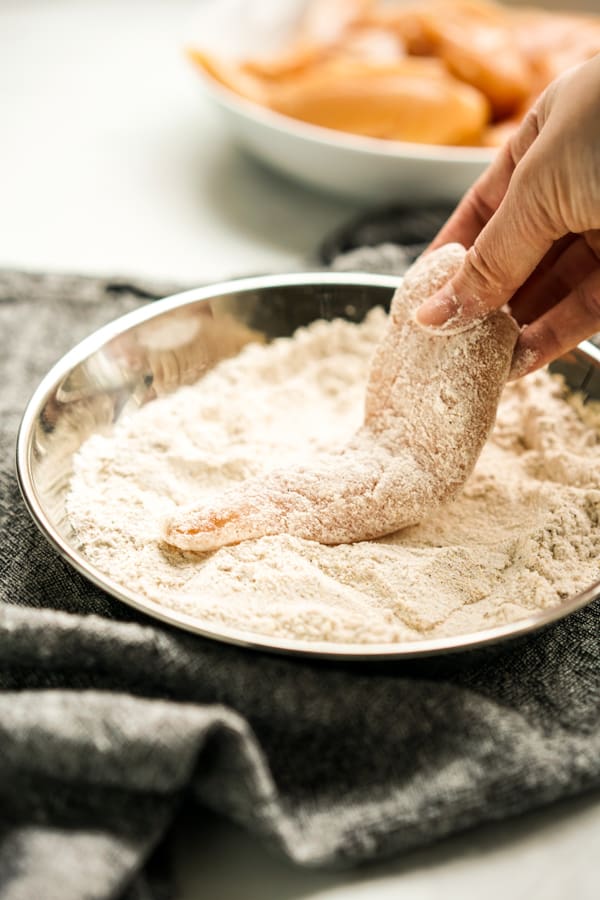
(430, 404)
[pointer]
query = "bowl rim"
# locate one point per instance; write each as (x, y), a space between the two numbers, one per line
(403, 650)
(448, 154)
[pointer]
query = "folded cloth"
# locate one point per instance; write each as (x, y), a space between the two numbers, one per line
(110, 720)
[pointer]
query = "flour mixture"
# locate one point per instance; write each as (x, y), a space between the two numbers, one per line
(523, 533)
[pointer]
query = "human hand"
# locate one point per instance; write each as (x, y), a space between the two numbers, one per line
(532, 226)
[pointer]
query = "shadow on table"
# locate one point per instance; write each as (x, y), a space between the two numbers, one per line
(213, 858)
(255, 200)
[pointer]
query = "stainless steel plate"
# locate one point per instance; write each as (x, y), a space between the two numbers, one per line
(159, 347)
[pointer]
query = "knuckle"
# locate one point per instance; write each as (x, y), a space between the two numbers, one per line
(536, 191)
(553, 339)
(485, 274)
(479, 207)
(525, 135)
(549, 338)
(578, 210)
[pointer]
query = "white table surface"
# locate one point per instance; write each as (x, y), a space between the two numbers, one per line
(111, 162)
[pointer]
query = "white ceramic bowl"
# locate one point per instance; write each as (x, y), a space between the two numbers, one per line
(357, 167)
(361, 168)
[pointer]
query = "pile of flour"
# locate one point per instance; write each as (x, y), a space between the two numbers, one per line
(522, 535)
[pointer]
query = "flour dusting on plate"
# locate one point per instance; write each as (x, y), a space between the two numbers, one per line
(522, 535)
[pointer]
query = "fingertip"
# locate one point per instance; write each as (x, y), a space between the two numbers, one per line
(445, 315)
(525, 360)
(438, 310)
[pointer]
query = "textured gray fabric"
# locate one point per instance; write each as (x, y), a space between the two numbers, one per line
(108, 720)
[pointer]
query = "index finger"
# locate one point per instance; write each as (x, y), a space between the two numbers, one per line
(483, 199)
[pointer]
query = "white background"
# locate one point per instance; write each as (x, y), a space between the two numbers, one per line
(111, 162)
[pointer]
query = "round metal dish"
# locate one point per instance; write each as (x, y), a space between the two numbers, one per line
(154, 350)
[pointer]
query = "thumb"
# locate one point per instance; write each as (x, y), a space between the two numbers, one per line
(505, 253)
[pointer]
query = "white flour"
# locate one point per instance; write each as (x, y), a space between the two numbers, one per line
(522, 535)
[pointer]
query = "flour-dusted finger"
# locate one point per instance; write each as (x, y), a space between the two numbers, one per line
(561, 328)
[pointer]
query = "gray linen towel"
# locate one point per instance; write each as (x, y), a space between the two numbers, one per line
(109, 721)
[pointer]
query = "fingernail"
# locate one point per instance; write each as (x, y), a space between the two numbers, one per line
(438, 310)
(443, 315)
